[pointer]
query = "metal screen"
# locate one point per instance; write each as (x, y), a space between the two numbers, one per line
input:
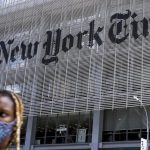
(102, 76)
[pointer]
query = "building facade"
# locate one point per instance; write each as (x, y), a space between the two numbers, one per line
(77, 64)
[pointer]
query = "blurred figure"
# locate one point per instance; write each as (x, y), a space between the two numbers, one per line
(11, 116)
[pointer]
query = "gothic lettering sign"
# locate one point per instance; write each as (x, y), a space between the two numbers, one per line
(117, 33)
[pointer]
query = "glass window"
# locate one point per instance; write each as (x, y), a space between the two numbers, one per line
(107, 136)
(40, 130)
(23, 131)
(134, 134)
(72, 127)
(128, 124)
(51, 130)
(85, 123)
(120, 135)
(64, 128)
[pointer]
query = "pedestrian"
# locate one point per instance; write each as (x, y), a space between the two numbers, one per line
(11, 119)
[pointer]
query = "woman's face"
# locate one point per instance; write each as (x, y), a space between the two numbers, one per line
(7, 114)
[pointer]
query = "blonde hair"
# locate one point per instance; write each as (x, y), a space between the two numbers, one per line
(18, 115)
(19, 119)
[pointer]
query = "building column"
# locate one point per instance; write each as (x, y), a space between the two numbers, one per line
(30, 132)
(97, 129)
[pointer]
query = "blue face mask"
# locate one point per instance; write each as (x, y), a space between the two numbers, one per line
(6, 129)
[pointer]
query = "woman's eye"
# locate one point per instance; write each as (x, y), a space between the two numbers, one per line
(2, 114)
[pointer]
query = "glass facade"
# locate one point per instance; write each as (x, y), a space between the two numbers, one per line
(23, 131)
(66, 128)
(119, 126)
(62, 55)
(128, 124)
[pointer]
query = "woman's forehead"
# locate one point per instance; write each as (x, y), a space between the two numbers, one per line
(6, 101)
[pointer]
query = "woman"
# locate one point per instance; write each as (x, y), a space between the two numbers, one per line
(11, 110)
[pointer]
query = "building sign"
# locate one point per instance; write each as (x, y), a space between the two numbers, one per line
(81, 135)
(144, 144)
(61, 128)
(118, 33)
